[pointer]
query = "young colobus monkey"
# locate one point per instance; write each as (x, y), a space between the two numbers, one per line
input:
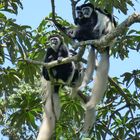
(93, 23)
(52, 80)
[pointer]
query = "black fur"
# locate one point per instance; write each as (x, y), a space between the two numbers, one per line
(86, 25)
(61, 71)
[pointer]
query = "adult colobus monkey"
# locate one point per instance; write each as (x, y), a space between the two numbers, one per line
(93, 23)
(52, 80)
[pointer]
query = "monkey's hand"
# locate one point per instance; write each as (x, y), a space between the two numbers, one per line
(71, 33)
(59, 59)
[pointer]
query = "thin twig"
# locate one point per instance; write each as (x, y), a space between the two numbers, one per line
(119, 109)
(121, 92)
(109, 132)
(53, 10)
(82, 96)
(73, 4)
(109, 121)
(135, 129)
(59, 26)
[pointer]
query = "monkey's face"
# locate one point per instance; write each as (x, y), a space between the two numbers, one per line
(55, 42)
(79, 14)
(87, 11)
(83, 12)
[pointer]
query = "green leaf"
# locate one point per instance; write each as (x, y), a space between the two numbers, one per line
(137, 82)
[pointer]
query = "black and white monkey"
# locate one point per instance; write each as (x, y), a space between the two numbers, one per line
(52, 80)
(93, 23)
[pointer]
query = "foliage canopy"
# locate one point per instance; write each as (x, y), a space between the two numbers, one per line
(118, 117)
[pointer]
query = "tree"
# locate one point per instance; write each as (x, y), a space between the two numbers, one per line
(20, 103)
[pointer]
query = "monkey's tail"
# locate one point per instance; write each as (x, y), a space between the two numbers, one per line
(90, 117)
(101, 80)
(51, 111)
(90, 68)
(100, 85)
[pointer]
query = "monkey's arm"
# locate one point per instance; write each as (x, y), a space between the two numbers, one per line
(62, 53)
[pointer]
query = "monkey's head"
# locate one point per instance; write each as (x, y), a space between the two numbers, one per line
(87, 10)
(55, 41)
(84, 11)
(79, 13)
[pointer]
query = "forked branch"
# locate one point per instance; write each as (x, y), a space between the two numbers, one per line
(104, 41)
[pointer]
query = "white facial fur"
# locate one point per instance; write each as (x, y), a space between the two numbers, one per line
(79, 14)
(87, 11)
(55, 43)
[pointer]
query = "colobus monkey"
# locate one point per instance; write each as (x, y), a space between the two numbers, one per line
(93, 23)
(52, 80)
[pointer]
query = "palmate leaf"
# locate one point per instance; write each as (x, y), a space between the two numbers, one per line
(137, 82)
(16, 38)
(121, 5)
(132, 76)
(31, 120)
(28, 71)
(10, 6)
(10, 78)
(26, 104)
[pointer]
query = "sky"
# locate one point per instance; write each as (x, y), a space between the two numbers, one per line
(36, 10)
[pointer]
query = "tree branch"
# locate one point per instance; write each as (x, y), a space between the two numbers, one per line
(109, 131)
(51, 64)
(59, 26)
(73, 5)
(83, 97)
(104, 41)
(119, 30)
(53, 10)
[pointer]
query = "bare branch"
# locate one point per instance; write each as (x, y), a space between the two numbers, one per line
(80, 53)
(75, 58)
(59, 26)
(73, 4)
(51, 64)
(83, 97)
(53, 10)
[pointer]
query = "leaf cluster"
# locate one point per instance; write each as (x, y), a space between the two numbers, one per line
(20, 103)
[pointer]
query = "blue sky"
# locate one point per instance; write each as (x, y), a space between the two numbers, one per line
(36, 10)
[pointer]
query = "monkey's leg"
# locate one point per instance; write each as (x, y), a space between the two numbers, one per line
(90, 68)
(100, 85)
